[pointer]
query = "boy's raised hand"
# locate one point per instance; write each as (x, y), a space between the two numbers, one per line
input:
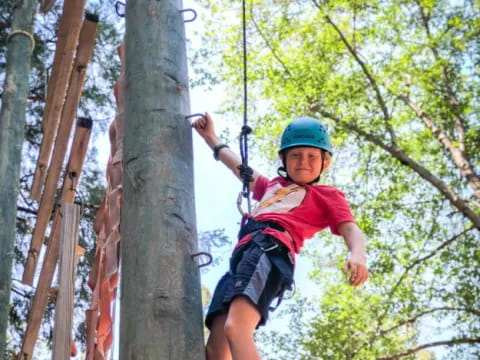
(204, 126)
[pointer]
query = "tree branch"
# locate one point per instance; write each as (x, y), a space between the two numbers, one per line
(414, 264)
(27, 210)
(451, 97)
(269, 45)
(416, 317)
(429, 345)
(458, 156)
(403, 158)
(371, 80)
(438, 248)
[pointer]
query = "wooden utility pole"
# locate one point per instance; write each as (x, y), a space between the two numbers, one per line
(161, 311)
(12, 123)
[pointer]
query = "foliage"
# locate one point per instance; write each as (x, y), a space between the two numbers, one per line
(397, 82)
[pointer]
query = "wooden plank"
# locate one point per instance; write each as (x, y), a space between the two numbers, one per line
(62, 335)
(37, 310)
(68, 35)
(12, 126)
(85, 49)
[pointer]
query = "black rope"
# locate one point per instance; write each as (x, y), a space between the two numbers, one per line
(245, 171)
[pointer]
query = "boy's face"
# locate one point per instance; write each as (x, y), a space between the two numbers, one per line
(303, 164)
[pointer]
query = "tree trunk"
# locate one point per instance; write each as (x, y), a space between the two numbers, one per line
(161, 312)
(12, 122)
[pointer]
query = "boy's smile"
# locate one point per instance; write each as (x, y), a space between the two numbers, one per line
(303, 164)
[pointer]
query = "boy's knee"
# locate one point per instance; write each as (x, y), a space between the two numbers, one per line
(234, 331)
(231, 331)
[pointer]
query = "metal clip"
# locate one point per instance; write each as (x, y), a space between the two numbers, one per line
(210, 258)
(241, 195)
(192, 11)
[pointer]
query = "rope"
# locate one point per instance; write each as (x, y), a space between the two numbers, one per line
(21, 32)
(245, 171)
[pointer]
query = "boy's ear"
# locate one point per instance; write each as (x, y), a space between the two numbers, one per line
(283, 155)
(327, 160)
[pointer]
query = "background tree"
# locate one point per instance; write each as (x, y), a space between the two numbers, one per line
(96, 103)
(12, 119)
(397, 82)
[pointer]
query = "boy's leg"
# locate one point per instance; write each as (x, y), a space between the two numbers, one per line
(217, 347)
(243, 318)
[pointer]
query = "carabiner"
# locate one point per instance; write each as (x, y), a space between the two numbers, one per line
(241, 195)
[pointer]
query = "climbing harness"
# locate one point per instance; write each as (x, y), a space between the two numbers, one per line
(246, 172)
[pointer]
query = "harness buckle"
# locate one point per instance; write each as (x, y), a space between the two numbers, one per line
(273, 247)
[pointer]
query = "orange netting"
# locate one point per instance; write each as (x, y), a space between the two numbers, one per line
(104, 275)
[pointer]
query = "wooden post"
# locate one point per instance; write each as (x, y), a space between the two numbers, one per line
(47, 6)
(161, 311)
(67, 39)
(12, 123)
(62, 335)
(75, 164)
(84, 52)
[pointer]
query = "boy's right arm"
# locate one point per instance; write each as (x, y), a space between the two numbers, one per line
(205, 128)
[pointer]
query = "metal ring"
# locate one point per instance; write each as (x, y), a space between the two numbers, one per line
(117, 8)
(210, 258)
(192, 11)
(22, 32)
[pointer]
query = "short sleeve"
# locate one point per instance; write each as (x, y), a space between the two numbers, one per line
(339, 211)
(260, 187)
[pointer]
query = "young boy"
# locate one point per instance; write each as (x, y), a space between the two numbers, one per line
(292, 208)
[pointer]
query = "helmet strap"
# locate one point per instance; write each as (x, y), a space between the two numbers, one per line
(282, 172)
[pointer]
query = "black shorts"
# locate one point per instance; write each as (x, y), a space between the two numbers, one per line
(261, 270)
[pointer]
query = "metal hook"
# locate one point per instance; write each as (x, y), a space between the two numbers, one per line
(192, 11)
(117, 8)
(210, 258)
(196, 115)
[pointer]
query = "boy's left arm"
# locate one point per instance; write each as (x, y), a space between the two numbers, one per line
(356, 265)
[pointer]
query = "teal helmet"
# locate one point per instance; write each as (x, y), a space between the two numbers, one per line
(305, 131)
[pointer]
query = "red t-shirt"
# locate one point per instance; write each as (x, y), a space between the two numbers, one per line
(301, 210)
